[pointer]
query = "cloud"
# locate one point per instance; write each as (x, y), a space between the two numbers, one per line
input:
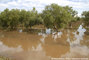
(79, 5)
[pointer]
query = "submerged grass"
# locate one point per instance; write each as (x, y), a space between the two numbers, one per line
(4, 58)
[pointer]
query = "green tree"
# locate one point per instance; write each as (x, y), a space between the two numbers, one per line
(13, 20)
(32, 18)
(48, 21)
(60, 16)
(4, 17)
(85, 15)
(22, 19)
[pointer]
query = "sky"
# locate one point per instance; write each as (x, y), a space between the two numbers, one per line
(78, 5)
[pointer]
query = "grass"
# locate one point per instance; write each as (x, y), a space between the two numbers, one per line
(4, 58)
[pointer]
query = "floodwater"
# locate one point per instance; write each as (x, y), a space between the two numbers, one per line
(68, 43)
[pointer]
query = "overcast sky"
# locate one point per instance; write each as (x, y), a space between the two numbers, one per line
(78, 5)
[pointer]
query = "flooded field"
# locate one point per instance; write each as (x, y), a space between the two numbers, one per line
(67, 43)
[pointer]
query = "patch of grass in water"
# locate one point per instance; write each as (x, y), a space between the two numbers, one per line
(4, 58)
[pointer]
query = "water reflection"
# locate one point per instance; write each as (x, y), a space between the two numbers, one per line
(48, 31)
(43, 38)
(18, 53)
(38, 48)
(76, 49)
(77, 52)
(43, 46)
(56, 35)
(77, 37)
(9, 51)
(4, 48)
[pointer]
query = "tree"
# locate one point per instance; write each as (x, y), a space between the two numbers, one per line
(85, 15)
(4, 17)
(53, 16)
(57, 16)
(32, 18)
(48, 21)
(72, 12)
(13, 19)
(22, 19)
(9, 19)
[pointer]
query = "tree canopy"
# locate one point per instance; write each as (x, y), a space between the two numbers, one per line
(11, 19)
(53, 16)
(85, 15)
(57, 16)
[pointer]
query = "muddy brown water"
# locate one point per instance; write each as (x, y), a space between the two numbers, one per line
(27, 46)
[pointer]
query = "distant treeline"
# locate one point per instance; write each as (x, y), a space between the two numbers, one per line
(53, 16)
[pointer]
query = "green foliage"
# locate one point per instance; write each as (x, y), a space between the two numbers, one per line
(9, 19)
(12, 19)
(22, 19)
(48, 21)
(32, 18)
(53, 16)
(85, 15)
(4, 17)
(57, 16)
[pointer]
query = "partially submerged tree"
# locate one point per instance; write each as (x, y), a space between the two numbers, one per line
(32, 18)
(53, 16)
(85, 15)
(4, 17)
(14, 19)
(22, 19)
(57, 16)
(9, 19)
